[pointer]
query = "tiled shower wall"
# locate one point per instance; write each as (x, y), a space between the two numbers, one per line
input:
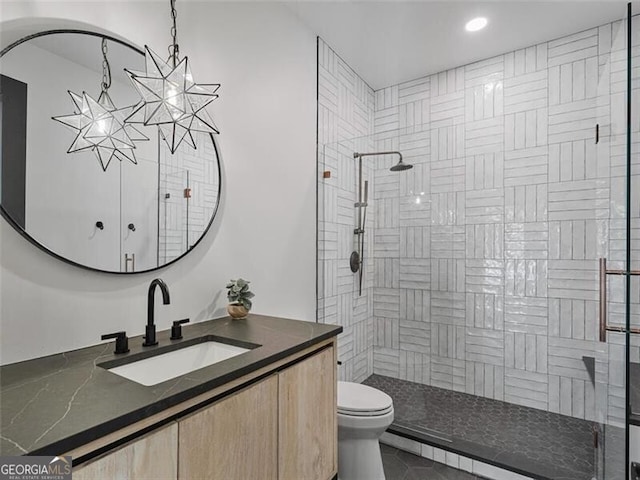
(345, 125)
(485, 254)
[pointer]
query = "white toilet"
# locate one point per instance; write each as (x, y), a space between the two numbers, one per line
(364, 413)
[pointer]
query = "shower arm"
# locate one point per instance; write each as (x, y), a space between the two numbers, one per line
(360, 155)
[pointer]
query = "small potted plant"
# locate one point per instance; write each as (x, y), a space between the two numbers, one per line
(239, 297)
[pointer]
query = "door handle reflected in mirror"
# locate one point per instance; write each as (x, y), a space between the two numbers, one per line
(128, 259)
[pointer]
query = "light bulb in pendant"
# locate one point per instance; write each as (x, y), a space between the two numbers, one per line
(171, 96)
(102, 126)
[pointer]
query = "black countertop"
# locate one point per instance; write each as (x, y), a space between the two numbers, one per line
(51, 405)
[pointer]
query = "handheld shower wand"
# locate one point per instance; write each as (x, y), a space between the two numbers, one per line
(364, 221)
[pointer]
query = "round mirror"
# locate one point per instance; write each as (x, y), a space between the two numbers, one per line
(146, 209)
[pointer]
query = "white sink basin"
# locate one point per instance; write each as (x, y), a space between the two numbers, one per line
(157, 369)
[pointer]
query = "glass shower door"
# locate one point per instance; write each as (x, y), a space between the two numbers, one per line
(618, 225)
(632, 308)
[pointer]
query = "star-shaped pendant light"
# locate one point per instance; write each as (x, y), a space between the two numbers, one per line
(100, 126)
(171, 100)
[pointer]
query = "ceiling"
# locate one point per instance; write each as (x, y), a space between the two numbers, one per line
(393, 41)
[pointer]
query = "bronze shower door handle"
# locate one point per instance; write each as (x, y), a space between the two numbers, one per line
(603, 327)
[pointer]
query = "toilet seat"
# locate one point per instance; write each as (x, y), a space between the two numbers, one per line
(357, 400)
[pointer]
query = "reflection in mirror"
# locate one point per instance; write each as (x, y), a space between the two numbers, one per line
(56, 198)
(99, 125)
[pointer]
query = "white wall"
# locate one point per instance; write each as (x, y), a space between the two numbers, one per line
(265, 229)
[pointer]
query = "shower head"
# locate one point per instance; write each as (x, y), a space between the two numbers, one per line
(401, 166)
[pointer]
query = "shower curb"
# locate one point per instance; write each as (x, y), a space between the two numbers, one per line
(439, 452)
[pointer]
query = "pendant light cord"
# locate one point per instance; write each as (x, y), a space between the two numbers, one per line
(174, 50)
(106, 68)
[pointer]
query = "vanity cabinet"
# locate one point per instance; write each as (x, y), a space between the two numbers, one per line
(280, 424)
(151, 457)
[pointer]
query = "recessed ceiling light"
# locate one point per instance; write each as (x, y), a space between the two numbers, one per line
(476, 24)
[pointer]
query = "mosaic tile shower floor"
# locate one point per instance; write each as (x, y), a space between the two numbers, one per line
(533, 442)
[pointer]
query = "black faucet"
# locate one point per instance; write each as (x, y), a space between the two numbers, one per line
(150, 333)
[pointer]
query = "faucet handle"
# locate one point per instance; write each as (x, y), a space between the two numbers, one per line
(176, 329)
(122, 342)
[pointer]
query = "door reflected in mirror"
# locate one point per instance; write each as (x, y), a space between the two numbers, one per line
(58, 199)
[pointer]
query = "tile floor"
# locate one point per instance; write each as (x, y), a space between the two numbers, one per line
(399, 465)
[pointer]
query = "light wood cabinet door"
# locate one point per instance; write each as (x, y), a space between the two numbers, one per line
(308, 421)
(233, 439)
(150, 457)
